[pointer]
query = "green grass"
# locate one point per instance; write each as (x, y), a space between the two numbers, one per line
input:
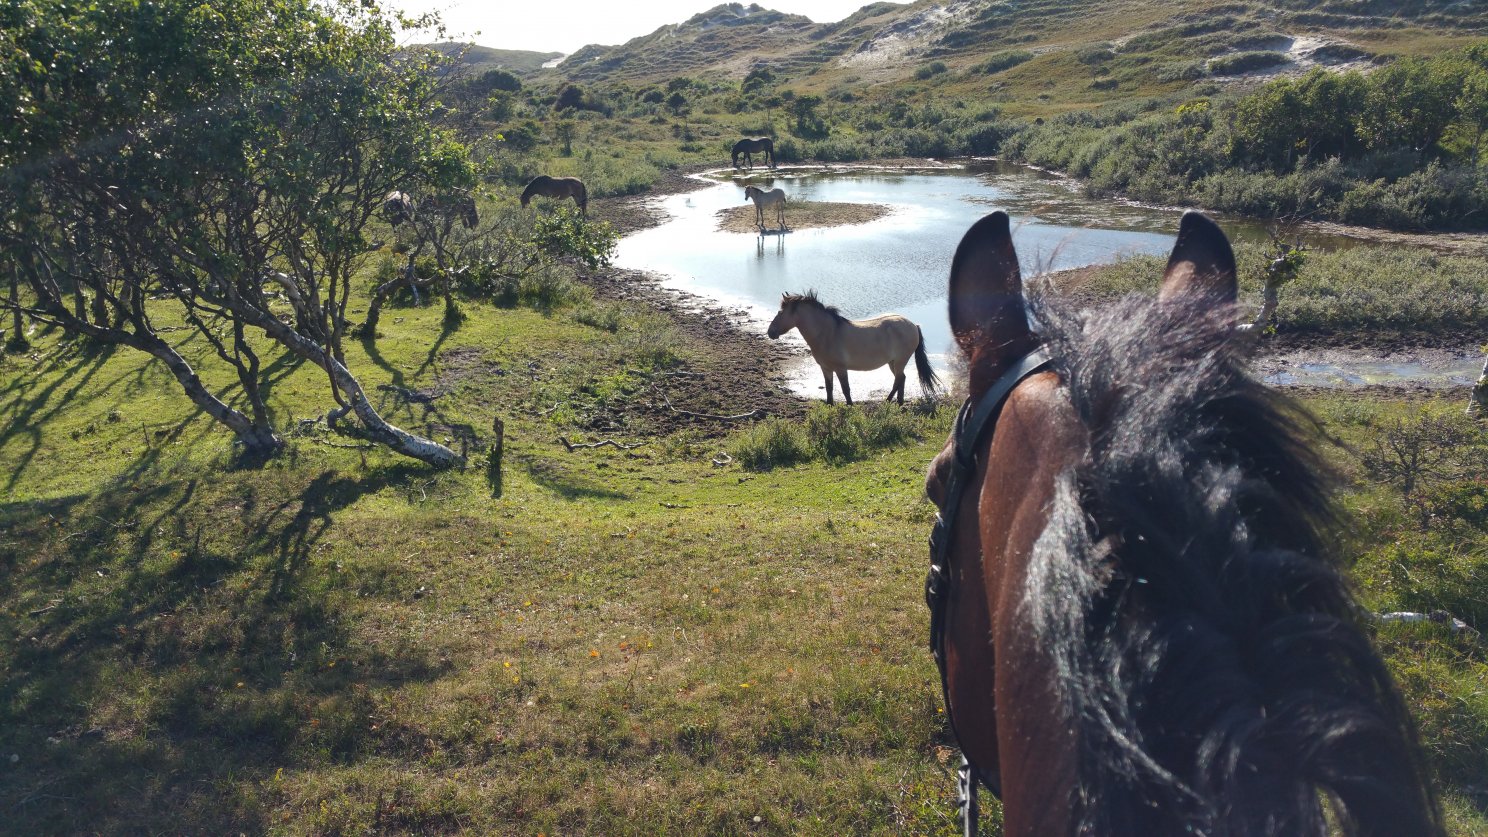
(620, 642)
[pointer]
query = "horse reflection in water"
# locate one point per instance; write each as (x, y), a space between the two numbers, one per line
(839, 344)
(1139, 627)
(759, 243)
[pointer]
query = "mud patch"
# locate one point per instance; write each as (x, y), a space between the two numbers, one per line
(729, 370)
(801, 215)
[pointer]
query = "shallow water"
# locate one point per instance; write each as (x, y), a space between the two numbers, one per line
(899, 263)
(1342, 374)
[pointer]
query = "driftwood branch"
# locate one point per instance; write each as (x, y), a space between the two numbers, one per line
(1440, 617)
(755, 413)
(573, 446)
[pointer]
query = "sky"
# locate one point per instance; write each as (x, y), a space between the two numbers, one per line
(565, 25)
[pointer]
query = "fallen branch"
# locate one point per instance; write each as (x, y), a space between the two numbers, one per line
(1439, 616)
(348, 447)
(755, 413)
(573, 446)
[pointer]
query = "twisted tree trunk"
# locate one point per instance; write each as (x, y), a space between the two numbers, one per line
(374, 426)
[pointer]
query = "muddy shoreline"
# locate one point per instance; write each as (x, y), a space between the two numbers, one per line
(731, 370)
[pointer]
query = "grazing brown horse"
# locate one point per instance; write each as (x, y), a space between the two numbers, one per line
(557, 188)
(1139, 629)
(839, 344)
(749, 147)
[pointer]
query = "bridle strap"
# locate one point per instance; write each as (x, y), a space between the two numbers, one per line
(972, 422)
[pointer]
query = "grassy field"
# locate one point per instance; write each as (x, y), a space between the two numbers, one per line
(602, 641)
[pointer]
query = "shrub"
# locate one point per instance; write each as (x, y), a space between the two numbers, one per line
(773, 443)
(564, 233)
(602, 316)
(934, 68)
(1005, 60)
(1245, 62)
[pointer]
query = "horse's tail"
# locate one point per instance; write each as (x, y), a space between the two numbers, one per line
(929, 381)
(583, 198)
(1207, 656)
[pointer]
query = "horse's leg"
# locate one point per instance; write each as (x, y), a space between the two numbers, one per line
(898, 388)
(828, 376)
(846, 393)
(899, 379)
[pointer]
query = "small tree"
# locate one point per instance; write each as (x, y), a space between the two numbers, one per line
(564, 131)
(219, 167)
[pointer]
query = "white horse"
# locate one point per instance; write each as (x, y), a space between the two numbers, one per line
(774, 197)
(839, 344)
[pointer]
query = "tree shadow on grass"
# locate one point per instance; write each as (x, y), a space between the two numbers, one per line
(23, 413)
(567, 483)
(178, 644)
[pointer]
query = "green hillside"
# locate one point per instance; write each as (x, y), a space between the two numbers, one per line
(1158, 45)
(479, 58)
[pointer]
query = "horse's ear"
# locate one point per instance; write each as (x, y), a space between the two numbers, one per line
(986, 293)
(1202, 262)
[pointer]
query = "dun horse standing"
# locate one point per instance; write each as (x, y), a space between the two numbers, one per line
(839, 344)
(774, 197)
(557, 188)
(749, 147)
(1138, 628)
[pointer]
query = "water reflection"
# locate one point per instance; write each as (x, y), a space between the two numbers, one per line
(779, 246)
(897, 263)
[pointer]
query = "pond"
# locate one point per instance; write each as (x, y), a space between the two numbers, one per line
(899, 263)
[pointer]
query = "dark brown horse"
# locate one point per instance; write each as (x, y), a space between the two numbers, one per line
(1139, 627)
(750, 147)
(557, 188)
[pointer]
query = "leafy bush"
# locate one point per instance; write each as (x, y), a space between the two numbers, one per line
(772, 443)
(1094, 55)
(564, 233)
(934, 68)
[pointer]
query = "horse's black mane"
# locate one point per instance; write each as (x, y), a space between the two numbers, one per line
(810, 298)
(1209, 655)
